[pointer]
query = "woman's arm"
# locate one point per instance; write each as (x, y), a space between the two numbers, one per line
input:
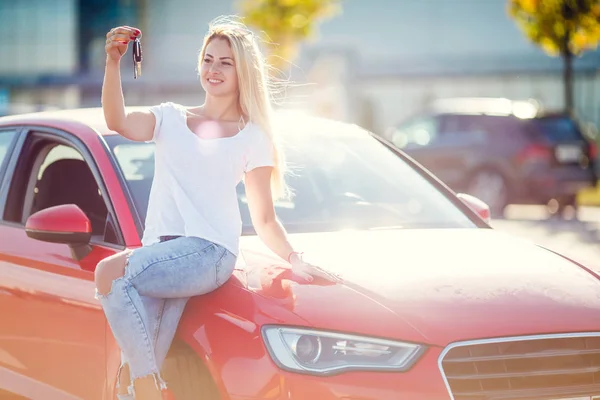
(268, 227)
(138, 126)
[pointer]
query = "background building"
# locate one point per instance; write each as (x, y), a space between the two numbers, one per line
(374, 64)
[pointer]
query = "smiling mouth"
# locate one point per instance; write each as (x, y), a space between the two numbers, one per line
(215, 81)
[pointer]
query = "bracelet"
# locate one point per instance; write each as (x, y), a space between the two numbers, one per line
(291, 254)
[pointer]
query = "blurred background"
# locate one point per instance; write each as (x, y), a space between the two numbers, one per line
(376, 63)
(370, 62)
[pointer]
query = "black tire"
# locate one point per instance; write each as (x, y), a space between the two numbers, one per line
(557, 207)
(187, 376)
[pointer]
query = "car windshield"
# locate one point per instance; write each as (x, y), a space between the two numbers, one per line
(341, 178)
(558, 129)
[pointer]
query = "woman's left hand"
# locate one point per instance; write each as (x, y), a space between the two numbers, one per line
(308, 271)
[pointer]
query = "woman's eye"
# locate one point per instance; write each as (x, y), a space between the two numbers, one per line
(226, 63)
(207, 60)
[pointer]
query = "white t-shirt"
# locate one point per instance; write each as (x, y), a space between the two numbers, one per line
(194, 188)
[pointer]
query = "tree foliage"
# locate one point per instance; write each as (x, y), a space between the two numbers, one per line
(286, 23)
(559, 26)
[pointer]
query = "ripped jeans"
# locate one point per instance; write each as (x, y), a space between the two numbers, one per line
(144, 306)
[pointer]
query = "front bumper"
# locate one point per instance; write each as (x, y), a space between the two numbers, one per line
(423, 381)
(542, 187)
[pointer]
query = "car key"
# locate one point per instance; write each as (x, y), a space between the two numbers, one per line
(137, 58)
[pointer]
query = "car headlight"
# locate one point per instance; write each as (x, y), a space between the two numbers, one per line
(326, 353)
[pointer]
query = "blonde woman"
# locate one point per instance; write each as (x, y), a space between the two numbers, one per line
(190, 242)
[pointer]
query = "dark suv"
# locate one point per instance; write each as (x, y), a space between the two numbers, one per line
(501, 151)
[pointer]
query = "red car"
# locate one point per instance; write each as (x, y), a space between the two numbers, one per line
(432, 304)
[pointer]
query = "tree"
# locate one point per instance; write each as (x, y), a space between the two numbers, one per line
(565, 28)
(286, 23)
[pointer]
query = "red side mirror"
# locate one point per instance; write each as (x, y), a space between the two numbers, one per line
(60, 224)
(478, 206)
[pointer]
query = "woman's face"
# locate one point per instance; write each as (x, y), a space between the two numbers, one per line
(218, 74)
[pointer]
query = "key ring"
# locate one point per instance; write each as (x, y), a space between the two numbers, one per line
(137, 58)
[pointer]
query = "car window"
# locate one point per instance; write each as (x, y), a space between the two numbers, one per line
(473, 129)
(418, 132)
(65, 178)
(464, 128)
(345, 181)
(137, 164)
(558, 129)
(59, 152)
(6, 138)
(54, 174)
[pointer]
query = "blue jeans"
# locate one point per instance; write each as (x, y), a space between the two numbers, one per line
(144, 306)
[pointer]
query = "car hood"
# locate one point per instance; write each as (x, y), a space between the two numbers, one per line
(431, 286)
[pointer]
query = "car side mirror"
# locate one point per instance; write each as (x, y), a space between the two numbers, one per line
(477, 205)
(66, 224)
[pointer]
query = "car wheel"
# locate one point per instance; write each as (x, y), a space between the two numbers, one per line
(558, 207)
(567, 201)
(491, 187)
(187, 376)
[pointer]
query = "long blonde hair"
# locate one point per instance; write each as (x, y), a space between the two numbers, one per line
(254, 86)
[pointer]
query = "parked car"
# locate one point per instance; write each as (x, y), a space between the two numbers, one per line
(432, 303)
(500, 151)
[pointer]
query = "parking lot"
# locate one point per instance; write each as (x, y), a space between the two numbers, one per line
(577, 238)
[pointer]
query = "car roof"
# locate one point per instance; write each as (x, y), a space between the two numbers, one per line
(486, 106)
(78, 119)
(65, 119)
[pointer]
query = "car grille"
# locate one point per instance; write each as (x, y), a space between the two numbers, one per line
(532, 368)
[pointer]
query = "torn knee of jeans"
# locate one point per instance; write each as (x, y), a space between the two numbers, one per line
(127, 379)
(99, 295)
(158, 381)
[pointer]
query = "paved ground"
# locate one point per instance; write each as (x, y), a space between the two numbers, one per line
(578, 238)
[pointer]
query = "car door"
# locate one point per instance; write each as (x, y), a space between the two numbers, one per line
(53, 334)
